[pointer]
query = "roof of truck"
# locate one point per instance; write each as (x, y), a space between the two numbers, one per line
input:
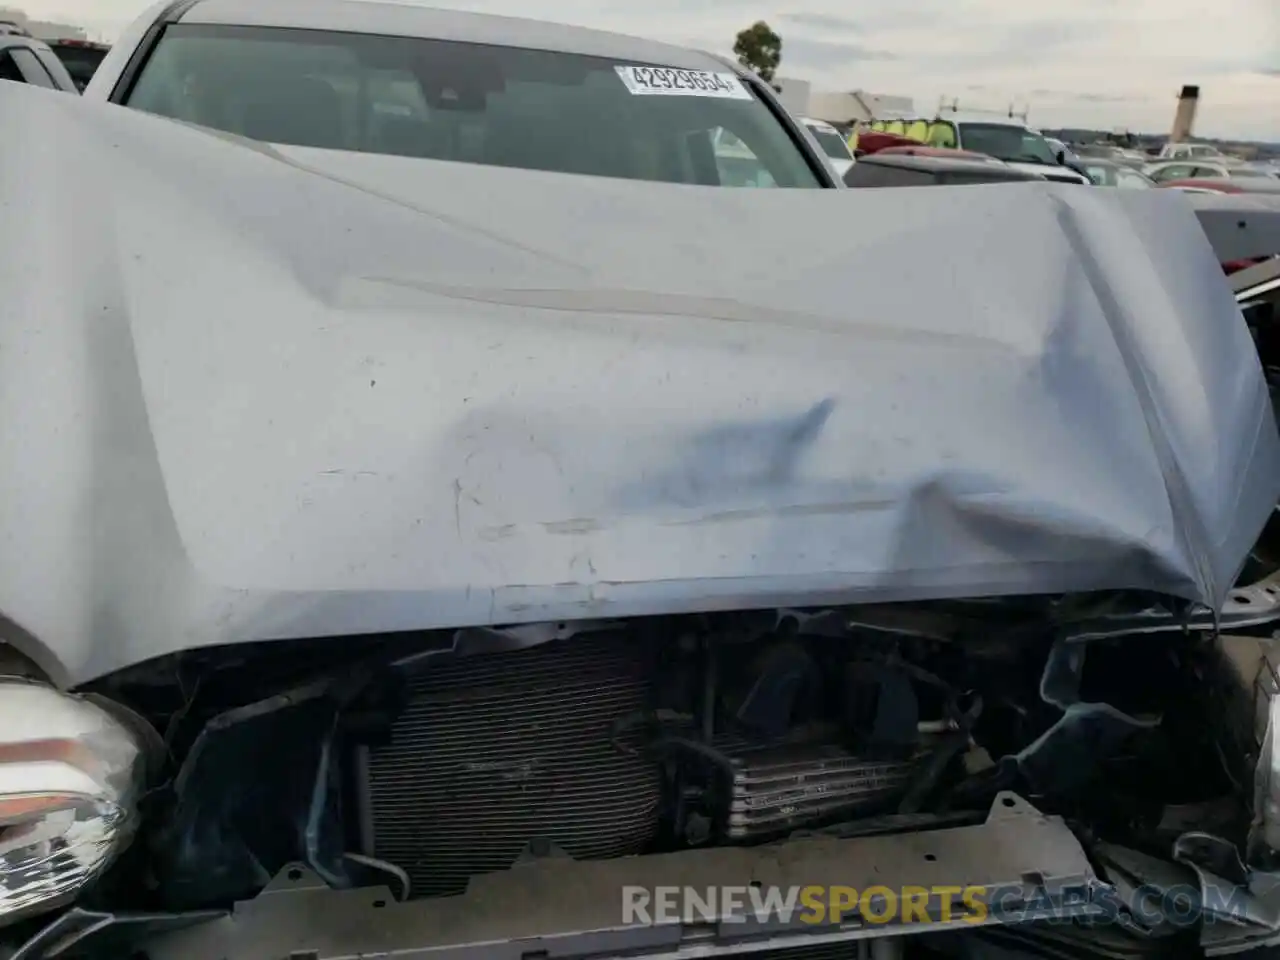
(407, 20)
(988, 120)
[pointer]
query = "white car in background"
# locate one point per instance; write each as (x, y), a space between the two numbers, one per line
(1166, 170)
(1061, 149)
(1197, 152)
(832, 142)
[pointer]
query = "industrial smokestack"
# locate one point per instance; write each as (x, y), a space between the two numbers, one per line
(1184, 120)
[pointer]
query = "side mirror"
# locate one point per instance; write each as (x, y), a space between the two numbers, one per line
(1062, 158)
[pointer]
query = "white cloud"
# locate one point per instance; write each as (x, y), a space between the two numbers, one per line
(1102, 63)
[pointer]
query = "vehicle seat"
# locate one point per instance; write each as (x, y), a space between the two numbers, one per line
(302, 111)
(528, 142)
(614, 150)
(411, 137)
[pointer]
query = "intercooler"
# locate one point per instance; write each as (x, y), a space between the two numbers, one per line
(773, 789)
(496, 753)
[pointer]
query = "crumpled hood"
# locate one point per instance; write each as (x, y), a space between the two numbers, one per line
(248, 394)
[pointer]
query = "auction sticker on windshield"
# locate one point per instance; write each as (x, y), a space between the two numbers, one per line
(671, 82)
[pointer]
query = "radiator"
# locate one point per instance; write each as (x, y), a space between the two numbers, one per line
(499, 751)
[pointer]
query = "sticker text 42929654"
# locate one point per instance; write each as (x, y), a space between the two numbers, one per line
(671, 82)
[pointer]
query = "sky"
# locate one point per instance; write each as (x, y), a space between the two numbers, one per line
(1094, 63)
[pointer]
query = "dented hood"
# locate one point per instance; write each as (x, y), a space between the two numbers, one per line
(250, 394)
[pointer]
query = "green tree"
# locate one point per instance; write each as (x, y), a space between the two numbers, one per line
(760, 49)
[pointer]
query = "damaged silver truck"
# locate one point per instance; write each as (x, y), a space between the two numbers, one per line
(440, 521)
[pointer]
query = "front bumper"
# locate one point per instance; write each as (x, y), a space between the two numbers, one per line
(1025, 865)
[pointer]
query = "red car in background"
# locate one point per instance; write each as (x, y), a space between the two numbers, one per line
(873, 141)
(1263, 185)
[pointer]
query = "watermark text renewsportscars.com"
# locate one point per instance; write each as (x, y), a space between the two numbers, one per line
(811, 904)
(832, 905)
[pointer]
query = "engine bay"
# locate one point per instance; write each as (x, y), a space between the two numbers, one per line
(426, 763)
(604, 745)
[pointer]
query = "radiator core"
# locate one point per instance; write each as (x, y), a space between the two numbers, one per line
(499, 751)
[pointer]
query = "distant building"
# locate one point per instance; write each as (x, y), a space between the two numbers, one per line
(43, 29)
(799, 97)
(859, 106)
(794, 94)
(885, 105)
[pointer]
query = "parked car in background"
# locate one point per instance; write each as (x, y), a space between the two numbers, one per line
(832, 143)
(1194, 151)
(1063, 152)
(1261, 282)
(1263, 187)
(1268, 190)
(1113, 153)
(1246, 185)
(1006, 139)
(80, 57)
(906, 170)
(24, 59)
(1107, 173)
(1203, 170)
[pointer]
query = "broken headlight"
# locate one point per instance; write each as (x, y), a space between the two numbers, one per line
(70, 775)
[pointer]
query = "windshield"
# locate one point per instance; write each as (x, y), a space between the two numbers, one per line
(1133, 180)
(1101, 174)
(1007, 142)
(832, 143)
(470, 103)
(81, 62)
